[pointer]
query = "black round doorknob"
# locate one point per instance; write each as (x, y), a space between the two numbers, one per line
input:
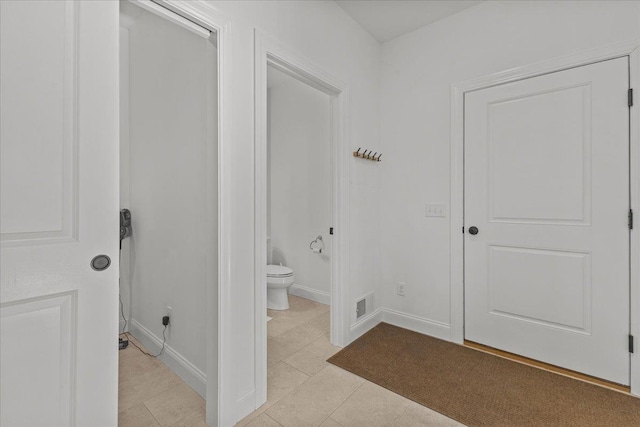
(100, 262)
(473, 230)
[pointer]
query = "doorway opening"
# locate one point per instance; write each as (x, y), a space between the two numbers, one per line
(299, 202)
(322, 247)
(168, 201)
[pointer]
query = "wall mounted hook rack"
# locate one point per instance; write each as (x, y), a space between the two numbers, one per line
(367, 155)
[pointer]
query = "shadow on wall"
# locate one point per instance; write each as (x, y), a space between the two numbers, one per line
(278, 257)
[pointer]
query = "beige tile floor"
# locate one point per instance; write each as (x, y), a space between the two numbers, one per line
(305, 390)
(151, 395)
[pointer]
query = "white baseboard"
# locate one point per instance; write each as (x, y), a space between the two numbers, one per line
(417, 324)
(366, 323)
(309, 293)
(402, 320)
(174, 360)
(245, 404)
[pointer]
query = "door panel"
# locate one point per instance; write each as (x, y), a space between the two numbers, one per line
(59, 204)
(518, 145)
(547, 184)
(43, 171)
(42, 329)
(551, 288)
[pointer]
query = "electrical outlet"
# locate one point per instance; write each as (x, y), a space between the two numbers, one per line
(401, 286)
(169, 311)
(438, 210)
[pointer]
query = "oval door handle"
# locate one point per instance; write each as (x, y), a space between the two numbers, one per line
(473, 230)
(100, 262)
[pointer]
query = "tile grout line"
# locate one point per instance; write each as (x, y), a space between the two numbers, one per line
(300, 385)
(187, 416)
(301, 348)
(154, 417)
(303, 373)
(307, 345)
(292, 390)
(309, 375)
(345, 399)
(151, 397)
(144, 402)
(265, 409)
(293, 367)
(405, 409)
(267, 415)
(297, 326)
(156, 371)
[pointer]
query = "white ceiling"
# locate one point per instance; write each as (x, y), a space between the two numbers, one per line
(386, 20)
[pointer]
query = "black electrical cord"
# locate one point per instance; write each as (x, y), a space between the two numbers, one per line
(164, 340)
(124, 327)
(126, 334)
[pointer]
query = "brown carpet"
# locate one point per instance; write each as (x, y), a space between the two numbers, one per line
(480, 389)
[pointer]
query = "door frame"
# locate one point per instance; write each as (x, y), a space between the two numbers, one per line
(270, 52)
(218, 329)
(630, 49)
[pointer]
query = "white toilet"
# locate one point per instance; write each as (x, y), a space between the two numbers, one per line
(279, 278)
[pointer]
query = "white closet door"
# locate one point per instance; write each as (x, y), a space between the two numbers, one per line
(547, 186)
(59, 206)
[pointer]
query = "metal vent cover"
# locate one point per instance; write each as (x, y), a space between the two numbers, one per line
(361, 308)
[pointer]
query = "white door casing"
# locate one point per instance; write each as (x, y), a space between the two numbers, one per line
(269, 51)
(59, 201)
(547, 184)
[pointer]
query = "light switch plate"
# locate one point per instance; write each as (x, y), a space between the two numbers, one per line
(438, 210)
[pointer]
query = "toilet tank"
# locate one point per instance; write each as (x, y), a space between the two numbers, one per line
(269, 251)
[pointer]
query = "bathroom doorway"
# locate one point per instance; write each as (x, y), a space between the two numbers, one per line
(308, 187)
(168, 201)
(298, 220)
(299, 249)
(298, 190)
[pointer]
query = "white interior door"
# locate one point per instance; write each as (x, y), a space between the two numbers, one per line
(59, 206)
(547, 186)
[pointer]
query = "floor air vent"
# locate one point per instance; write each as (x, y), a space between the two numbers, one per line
(361, 308)
(364, 305)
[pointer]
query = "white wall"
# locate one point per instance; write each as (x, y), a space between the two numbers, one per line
(323, 34)
(299, 207)
(417, 71)
(168, 137)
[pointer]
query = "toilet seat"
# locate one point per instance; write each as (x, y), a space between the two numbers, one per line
(279, 271)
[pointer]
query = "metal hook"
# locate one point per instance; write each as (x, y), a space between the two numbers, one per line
(365, 154)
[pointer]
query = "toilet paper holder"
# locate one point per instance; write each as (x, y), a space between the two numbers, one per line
(317, 245)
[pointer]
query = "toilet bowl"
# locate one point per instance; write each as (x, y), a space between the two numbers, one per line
(279, 278)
